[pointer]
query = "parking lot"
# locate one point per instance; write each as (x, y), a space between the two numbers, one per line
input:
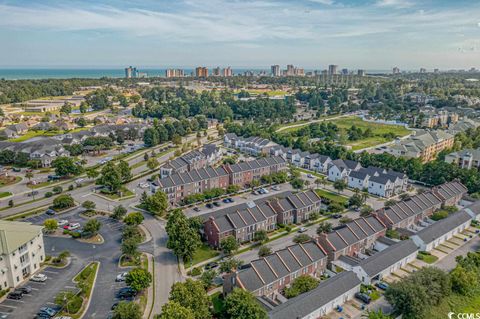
(43, 293)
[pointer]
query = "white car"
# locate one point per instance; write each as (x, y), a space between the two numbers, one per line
(39, 278)
(309, 175)
(63, 317)
(121, 277)
(62, 222)
(143, 185)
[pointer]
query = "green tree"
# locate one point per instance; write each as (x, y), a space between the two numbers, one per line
(264, 251)
(324, 227)
(301, 238)
(130, 247)
(139, 279)
(301, 285)
(111, 177)
(183, 239)
(152, 163)
(57, 189)
(230, 264)
(63, 202)
(241, 304)
(89, 205)
(66, 108)
(65, 166)
(191, 294)
(92, 226)
(260, 236)
(339, 185)
(156, 204)
(174, 310)
(133, 219)
(29, 175)
(297, 183)
(207, 278)
(127, 310)
(355, 201)
(229, 245)
(119, 212)
(92, 173)
(50, 225)
(375, 315)
(464, 282)
(125, 171)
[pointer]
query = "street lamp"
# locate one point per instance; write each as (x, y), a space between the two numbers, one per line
(93, 256)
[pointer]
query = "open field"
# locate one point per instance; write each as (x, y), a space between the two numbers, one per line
(454, 303)
(332, 196)
(31, 134)
(203, 253)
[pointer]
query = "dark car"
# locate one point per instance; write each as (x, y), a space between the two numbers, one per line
(16, 169)
(25, 289)
(225, 200)
(196, 209)
(126, 293)
(15, 295)
(209, 205)
(337, 216)
(210, 265)
(382, 285)
(32, 193)
(50, 212)
(115, 305)
(217, 204)
(363, 297)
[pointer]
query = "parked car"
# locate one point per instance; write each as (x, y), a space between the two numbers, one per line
(143, 185)
(209, 205)
(210, 265)
(15, 295)
(16, 169)
(39, 278)
(50, 212)
(226, 201)
(302, 230)
(382, 285)
(49, 311)
(62, 222)
(126, 293)
(114, 306)
(32, 193)
(196, 209)
(363, 297)
(276, 188)
(337, 216)
(72, 226)
(25, 289)
(309, 175)
(217, 204)
(121, 277)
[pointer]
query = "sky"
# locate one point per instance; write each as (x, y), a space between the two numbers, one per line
(366, 34)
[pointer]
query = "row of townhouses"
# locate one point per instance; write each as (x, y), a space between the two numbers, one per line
(359, 248)
(243, 220)
(468, 158)
(180, 185)
(48, 148)
(378, 181)
(193, 160)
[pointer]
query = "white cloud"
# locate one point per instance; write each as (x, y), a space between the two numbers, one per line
(326, 2)
(400, 4)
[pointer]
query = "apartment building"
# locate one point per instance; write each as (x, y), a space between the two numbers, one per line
(251, 145)
(433, 118)
(268, 275)
(22, 252)
(424, 145)
(244, 220)
(468, 158)
(196, 159)
(179, 185)
(406, 213)
(353, 238)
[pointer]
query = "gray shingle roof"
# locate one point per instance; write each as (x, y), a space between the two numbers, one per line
(441, 227)
(308, 302)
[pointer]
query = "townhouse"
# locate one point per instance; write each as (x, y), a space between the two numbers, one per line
(188, 162)
(44, 150)
(317, 303)
(179, 185)
(376, 180)
(268, 275)
(244, 220)
(385, 262)
(406, 213)
(15, 130)
(318, 163)
(352, 238)
(468, 158)
(251, 145)
(442, 230)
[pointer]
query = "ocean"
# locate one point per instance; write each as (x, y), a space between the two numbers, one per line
(20, 74)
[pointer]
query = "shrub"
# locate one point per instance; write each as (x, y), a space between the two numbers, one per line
(196, 271)
(75, 235)
(57, 189)
(48, 194)
(70, 188)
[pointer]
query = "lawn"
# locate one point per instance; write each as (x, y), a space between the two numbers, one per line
(9, 180)
(454, 303)
(378, 130)
(332, 196)
(426, 257)
(31, 134)
(203, 253)
(5, 194)
(85, 279)
(115, 196)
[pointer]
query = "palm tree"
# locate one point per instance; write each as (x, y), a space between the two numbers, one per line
(319, 181)
(29, 175)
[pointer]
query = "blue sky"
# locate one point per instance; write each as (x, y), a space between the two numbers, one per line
(370, 34)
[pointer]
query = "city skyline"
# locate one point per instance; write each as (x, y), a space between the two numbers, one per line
(377, 34)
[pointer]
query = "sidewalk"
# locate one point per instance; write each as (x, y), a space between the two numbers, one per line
(151, 290)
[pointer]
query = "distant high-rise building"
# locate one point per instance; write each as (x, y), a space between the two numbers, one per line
(174, 73)
(299, 72)
(361, 72)
(290, 70)
(248, 73)
(423, 70)
(345, 71)
(201, 72)
(332, 69)
(396, 70)
(216, 71)
(436, 70)
(276, 70)
(324, 72)
(227, 72)
(130, 72)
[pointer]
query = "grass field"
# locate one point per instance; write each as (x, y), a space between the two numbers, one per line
(31, 134)
(332, 196)
(5, 194)
(454, 303)
(203, 253)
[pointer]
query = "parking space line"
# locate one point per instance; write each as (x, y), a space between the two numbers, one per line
(70, 287)
(16, 301)
(34, 288)
(51, 271)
